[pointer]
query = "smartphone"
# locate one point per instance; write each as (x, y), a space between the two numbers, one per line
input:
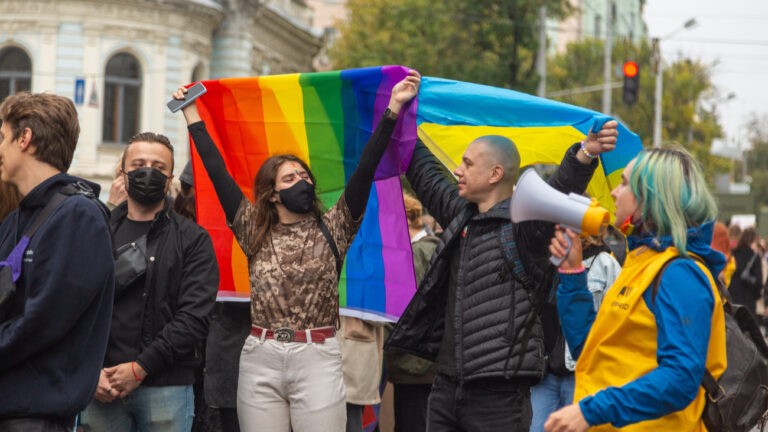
(193, 93)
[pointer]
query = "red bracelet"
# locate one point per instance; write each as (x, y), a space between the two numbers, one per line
(571, 271)
(135, 375)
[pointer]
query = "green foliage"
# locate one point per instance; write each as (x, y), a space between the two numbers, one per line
(689, 116)
(484, 41)
(757, 159)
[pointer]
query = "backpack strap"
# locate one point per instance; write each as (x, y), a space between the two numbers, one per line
(714, 392)
(512, 255)
(332, 244)
(81, 188)
(14, 258)
(657, 279)
(45, 213)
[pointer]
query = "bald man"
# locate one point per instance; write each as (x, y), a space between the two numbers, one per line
(475, 311)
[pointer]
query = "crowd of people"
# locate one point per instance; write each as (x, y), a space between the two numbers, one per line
(109, 319)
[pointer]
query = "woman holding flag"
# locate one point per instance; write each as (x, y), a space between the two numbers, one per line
(290, 365)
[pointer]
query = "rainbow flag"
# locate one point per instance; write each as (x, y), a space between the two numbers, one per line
(326, 118)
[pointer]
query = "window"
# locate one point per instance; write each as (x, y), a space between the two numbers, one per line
(598, 25)
(15, 72)
(122, 88)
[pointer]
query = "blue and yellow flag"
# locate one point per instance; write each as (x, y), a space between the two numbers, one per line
(451, 114)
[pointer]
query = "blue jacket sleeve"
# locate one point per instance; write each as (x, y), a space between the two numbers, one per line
(683, 311)
(575, 307)
(71, 265)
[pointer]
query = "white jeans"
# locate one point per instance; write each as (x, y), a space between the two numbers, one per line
(291, 385)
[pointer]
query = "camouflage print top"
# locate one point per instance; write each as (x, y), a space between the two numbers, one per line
(293, 275)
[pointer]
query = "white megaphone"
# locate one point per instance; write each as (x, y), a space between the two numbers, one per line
(534, 199)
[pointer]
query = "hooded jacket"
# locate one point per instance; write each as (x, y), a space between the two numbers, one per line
(686, 318)
(52, 347)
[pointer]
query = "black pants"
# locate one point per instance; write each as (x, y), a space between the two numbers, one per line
(411, 407)
(486, 405)
(229, 422)
(354, 418)
(35, 425)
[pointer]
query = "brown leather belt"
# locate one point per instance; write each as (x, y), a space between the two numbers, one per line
(284, 334)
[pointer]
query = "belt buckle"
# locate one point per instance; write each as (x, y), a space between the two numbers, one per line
(283, 334)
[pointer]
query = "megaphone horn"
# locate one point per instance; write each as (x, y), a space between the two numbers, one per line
(534, 199)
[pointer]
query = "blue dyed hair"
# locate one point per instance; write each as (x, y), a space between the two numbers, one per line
(671, 193)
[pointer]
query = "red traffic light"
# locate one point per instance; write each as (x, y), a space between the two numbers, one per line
(630, 69)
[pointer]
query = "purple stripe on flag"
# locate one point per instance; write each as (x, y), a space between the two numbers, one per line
(396, 246)
(398, 155)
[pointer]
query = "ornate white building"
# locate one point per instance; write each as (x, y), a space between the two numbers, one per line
(120, 60)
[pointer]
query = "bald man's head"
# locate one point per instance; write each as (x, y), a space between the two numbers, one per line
(502, 151)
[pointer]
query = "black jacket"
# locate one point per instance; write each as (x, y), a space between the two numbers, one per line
(497, 332)
(52, 347)
(746, 292)
(181, 283)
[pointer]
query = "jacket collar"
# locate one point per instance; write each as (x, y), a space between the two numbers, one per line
(699, 240)
(120, 213)
(42, 193)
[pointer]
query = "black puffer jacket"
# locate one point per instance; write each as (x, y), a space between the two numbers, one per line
(492, 306)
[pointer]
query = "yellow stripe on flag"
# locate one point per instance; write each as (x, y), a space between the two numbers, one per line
(537, 145)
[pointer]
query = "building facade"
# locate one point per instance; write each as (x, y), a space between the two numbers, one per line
(589, 21)
(120, 60)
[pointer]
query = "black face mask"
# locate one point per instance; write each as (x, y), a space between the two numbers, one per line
(146, 185)
(299, 198)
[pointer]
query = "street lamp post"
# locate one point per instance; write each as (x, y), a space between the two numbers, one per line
(659, 80)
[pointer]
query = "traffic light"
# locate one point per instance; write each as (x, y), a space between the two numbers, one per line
(631, 82)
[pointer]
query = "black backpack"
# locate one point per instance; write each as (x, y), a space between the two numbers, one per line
(738, 401)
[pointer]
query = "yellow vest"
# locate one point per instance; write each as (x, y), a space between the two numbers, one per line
(729, 270)
(621, 346)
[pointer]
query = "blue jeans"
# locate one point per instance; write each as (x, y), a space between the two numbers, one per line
(551, 394)
(147, 409)
(485, 405)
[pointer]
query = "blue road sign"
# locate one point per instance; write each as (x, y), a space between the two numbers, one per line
(79, 91)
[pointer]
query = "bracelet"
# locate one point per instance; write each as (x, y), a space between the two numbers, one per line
(586, 153)
(135, 375)
(576, 270)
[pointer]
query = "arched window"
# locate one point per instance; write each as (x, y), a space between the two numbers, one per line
(122, 88)
(15, 71)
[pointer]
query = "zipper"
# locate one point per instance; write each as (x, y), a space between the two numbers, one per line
(458, 312)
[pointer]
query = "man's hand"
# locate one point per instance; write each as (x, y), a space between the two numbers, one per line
(604, 140)
(566, 419)
(117, 192)
(104, 391)
(404, 91)
(122, 378)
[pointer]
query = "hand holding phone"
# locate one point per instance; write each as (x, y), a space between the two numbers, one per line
(193, 93)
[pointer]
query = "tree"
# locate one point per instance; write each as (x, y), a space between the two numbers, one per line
(689, 115)
(757, 159)
(490, 42)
